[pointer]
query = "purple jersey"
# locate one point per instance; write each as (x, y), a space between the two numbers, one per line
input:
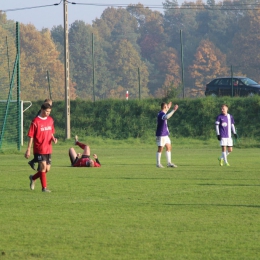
(224, 123)
(162, 127)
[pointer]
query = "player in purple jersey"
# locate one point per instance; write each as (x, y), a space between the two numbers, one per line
(162, 134)
(224, 125)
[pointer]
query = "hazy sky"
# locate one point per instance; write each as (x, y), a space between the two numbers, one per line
(47, 17)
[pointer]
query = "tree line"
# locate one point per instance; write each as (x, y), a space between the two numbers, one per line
(140, 40)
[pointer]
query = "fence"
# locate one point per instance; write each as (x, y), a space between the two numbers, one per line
(10, 105)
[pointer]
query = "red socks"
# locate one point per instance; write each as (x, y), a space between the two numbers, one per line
(43, 180)
(36, 176)
(81, 145)
(42, 176)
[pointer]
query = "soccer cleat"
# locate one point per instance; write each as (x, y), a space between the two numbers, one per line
(76, 139)
(45, 190)
(227, 164)
(221, 161)
(31, 163)
(32, 182)
(172, 165)
(159, 166)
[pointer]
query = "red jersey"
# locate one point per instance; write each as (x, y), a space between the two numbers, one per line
(42, 130)
(83, 162)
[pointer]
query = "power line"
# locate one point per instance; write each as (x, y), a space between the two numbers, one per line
(157, 6)
(182, 7)
(31, 7)
(225, 7)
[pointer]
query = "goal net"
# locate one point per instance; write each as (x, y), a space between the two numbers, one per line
(10, 104)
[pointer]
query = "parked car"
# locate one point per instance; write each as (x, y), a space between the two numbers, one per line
(242, 86)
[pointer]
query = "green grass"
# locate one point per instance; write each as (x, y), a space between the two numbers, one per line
(129, 209)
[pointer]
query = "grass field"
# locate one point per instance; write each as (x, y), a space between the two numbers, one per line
(129, 209)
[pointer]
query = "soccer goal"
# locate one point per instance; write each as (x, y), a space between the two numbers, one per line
(11, 124)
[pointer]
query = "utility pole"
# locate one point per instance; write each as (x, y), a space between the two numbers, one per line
(139, 83)
(93, 67)
(66, 67)
(182, 65)
(232, 83)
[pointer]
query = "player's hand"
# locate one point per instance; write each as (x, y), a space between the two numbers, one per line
(27, 154)
(169, 105)
(235, 135)
(95, 156)
(175, 107)
(219, 137)
(55, 140)
(79, 155)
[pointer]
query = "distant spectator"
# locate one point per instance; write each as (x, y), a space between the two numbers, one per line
(235, 84)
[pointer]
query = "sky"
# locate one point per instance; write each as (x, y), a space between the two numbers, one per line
(47, 17)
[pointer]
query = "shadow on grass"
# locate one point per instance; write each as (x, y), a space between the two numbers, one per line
(215, 205)
(231, 185)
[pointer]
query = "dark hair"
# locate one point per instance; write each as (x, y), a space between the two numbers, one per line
(163, 104)
(224, 105)
(45, 106)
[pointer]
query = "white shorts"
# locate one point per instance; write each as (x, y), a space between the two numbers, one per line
(162, 140)
(226, 142)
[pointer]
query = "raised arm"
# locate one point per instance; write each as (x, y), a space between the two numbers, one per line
(167, 116)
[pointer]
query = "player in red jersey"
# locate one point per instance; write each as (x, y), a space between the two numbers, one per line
(84, 160)
(41, 134)
(32, 162)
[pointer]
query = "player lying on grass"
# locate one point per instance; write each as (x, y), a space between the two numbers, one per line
(84, 160)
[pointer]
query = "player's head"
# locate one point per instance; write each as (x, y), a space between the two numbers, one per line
(224, 109)
(163, 105)
(45, 109)
(91, 163)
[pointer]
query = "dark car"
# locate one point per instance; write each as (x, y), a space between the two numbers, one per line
(242, 86)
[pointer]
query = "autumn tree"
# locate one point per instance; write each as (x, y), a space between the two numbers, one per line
(245, 53)
(115, 25)
(126, 61)
(80, 42)
(39, 54)
(209, 63)
(7, 55)
(184, 17)
(81, 36)
(118, 33)
(168, 65)
(57, 35)
(150, 29)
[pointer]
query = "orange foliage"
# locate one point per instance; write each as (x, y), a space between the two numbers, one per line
(39, 54)
(209, 63)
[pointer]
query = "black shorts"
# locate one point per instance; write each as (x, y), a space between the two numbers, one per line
(43, 158)
(83, 156)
